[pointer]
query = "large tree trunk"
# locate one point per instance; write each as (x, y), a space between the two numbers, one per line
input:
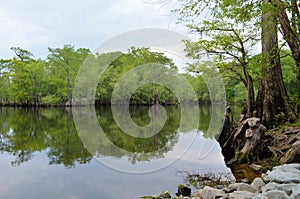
(272, 97)
(250, 95)
(290, 33)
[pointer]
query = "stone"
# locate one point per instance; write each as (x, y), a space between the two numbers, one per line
(293, 168)
(275, 194)
(196, 194)
(241, 195)
(296, 192)
(257, 184)
(255, 167)
(281, 176)
(183, 190)
(165, 194)
(185, 197)
(269, 186)
(265, 177)
(212, 193)
(258, 196)
(292, 155)
(245, 180)
(287, 188)
(245, 187)
(232, 187)
(220, 186)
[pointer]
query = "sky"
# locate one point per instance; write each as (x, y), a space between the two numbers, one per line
(36, 25)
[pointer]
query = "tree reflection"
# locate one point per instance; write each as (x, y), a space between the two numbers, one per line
(52, 131)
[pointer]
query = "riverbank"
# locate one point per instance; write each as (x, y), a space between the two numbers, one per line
(282, 182)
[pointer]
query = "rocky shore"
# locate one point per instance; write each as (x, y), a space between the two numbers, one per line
(282, 182)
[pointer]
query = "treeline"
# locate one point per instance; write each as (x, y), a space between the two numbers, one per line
(26, 81)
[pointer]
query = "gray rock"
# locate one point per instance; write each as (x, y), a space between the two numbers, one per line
(245, 187)
(241, 195)
(257, 184)
(269, 186)
(232, 187)
(275, 194)
(212, 193)
(220, 186)
(293, 168)
(281, 176)
(287, 188)
(255, 167)
(185, 197)
(196, 194)
(259, 196)
(296, 192)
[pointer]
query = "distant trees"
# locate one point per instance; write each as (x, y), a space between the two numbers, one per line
(27, 81)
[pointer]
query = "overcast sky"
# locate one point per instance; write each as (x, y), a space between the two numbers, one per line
(36, 25)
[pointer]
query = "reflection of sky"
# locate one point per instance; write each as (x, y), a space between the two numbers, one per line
(35, 179)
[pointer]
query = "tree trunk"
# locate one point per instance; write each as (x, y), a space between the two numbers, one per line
(272, 97)
(250, 95)
(290, 34)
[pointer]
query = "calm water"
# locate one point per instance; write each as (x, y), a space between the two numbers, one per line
(43, 156)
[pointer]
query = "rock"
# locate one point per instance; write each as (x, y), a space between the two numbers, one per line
(183, 190)
(186, 197)
(245, 180)
(287, 188)
(231, 188)
(241, 195)
(294, 168)
(255, 167)
(245, 187)
(196, 194)
(296, 192)
(258, 196)
(292, 155)
(220, 186)
(265, 177)
(281, 176)
(269, 186)
(165, 194)
(257, 184)
(212, 193)
(275, 194)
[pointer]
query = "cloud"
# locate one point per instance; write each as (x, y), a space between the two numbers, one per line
(36, 24)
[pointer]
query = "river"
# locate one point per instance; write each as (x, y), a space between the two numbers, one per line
(43, 154)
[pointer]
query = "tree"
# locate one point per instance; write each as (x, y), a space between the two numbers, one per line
(272, 98)
(223, 39)
(290, 28)
(62, 70)
(23, 77)
(125, 62)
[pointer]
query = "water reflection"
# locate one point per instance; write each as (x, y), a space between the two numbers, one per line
(24, 131)
(38, 144)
